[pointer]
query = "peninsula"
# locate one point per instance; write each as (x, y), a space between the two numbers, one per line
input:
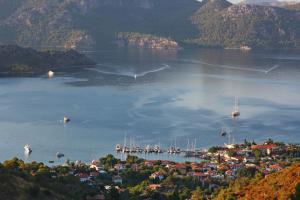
(19, 61)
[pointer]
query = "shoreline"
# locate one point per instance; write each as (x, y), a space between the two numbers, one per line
(110, 175)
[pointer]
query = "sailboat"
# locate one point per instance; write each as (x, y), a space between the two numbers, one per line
(230, 144)
(236, 112)
(223, 132)
(125, 148)
(27, 149)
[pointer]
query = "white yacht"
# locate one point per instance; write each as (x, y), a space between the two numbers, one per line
(27, 149)
(50, 74)
(119, 148)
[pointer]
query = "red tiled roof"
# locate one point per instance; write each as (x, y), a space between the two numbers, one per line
(180, 165)
(83, 175)
(275, 166)
(198, 174)
(263, 146)
(94, 173)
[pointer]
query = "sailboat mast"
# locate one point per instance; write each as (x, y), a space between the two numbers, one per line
(125, 139)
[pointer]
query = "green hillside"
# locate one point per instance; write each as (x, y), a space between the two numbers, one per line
(18, 61)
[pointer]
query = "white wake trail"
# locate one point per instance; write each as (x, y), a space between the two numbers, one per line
(233, 67)
(272, 68)
(130, 74)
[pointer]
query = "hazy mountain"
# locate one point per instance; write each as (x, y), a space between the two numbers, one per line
(94, 23)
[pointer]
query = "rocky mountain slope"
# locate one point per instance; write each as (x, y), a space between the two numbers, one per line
(96, 24)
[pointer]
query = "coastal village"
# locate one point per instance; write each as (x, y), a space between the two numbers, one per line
(116, 179)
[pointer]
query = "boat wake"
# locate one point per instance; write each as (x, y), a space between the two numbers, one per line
(266, 71)
(130, 74)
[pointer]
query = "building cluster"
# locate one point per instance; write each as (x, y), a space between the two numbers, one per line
(222, 165)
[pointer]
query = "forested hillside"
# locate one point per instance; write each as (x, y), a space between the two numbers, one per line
(282, 185)
(96, 24)
(15, 60)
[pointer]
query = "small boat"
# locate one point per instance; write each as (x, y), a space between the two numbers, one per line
(236, 112)
(135, 76)
(27, 149)
(50, 74)
(66, 119)
(118, 148)
(59, 155)
(51, 161)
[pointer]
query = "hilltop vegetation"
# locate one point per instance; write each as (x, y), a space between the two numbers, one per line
(19, 180)
(15, 60)
(146, 41)
(282, 185)
(239, 25)
(95, 24)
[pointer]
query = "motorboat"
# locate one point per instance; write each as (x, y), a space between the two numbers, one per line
(50, 74)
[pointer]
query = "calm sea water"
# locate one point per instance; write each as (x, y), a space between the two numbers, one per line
(152, 97)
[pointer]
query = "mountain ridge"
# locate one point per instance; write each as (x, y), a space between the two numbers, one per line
(86, 24)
